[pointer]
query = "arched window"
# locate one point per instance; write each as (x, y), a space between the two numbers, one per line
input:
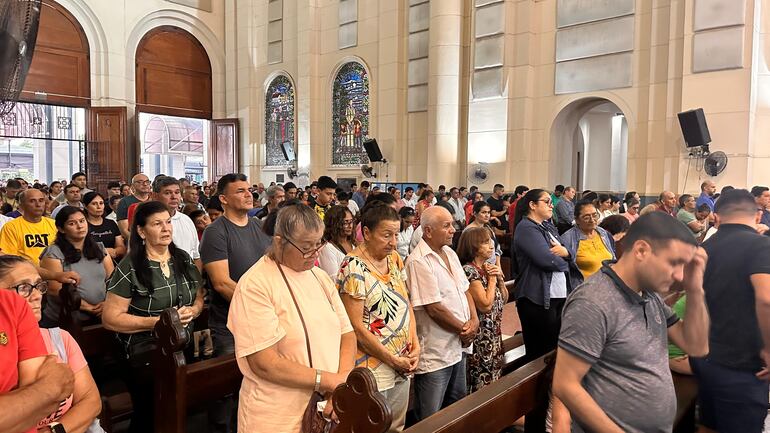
(350, 115)
(279, 119)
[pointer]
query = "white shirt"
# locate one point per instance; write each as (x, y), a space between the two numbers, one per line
(416, 238)
(412, 202)
(329, 259)
(353, 207)
(184, 235)
(458, 204)
(558, 279)
(4, 219)
(429, 282)
(62, 206)
(404, 239)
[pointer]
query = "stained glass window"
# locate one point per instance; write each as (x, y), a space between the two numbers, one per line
(279, 119)
(350, 115)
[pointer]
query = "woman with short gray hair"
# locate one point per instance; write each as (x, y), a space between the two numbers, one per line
(293, 339)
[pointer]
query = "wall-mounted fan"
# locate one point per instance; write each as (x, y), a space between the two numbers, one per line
(291, 172)
(715, 163)
(368, 171)
(478, 173)
(19, 21)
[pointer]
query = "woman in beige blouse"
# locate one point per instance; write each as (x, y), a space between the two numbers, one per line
(282, 305)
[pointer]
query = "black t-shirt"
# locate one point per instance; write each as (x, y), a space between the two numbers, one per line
(105, 233)
(497, 206)
(736, 252)
(240, 246)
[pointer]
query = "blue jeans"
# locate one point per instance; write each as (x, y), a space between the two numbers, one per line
(438, 389)
(223, 414)
(731, 401)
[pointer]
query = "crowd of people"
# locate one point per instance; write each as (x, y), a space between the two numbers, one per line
(305, 284)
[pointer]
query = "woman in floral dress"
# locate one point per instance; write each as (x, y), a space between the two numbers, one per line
(487, 287)
(372, 285)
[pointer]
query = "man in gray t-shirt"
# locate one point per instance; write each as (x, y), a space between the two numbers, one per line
(612, 365)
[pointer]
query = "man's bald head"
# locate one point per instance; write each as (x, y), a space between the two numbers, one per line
(437, 226)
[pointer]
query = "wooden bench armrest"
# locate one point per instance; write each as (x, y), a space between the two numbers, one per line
(518, 393)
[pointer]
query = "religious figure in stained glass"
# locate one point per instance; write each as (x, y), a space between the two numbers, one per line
(279, 119)
(350, 115)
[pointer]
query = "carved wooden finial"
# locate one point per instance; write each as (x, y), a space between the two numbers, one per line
(171, 335)
(359, 406)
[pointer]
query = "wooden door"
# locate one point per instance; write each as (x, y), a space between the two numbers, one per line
(106, 146)
(224, 155)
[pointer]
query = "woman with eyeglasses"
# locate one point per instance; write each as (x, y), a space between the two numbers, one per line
(482, 215)
(407, 216)
(154, 276)
(305, 345)
(372, 284)
(338, 234)
(588, 244)
(542, 285)
(74, 249)
(79, 411)
(632, 210)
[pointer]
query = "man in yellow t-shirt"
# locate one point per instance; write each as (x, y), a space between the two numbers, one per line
(28, 235)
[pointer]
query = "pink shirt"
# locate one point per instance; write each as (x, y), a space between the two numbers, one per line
(76, 362)
(630, 218)
(263, 315)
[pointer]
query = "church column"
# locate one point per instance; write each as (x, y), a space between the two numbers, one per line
(445, 69)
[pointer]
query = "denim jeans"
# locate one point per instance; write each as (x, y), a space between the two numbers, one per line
(438, 389)
(223, 414)
(730, 400)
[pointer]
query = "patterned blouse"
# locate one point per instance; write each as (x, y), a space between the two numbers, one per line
(386, 309)
(486, 363)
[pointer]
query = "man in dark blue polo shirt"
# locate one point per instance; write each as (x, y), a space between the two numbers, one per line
(612, 368)
(732, 379)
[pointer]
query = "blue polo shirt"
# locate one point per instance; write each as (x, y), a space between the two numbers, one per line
(705, 199)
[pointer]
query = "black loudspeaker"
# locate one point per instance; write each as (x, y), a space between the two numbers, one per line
(288, 151)
(373, 150)
(694, 128)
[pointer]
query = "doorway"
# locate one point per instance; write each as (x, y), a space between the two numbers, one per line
(589, 146)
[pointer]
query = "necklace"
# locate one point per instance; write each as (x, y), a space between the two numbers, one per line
(371, 261)
(163, 262)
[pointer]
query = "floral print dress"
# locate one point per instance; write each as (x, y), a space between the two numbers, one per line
(486, 362)
(386, 309)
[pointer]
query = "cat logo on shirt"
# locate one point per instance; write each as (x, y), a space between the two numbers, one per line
(36, 240)
(3, 338)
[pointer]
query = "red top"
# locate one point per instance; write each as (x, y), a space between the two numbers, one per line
(130, 214)
(512, 215)
(20, 338)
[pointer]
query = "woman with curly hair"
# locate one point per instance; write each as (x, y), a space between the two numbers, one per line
(338, 235)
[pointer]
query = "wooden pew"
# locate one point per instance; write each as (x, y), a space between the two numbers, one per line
(99, 346)
(179, 386)
(489, 410)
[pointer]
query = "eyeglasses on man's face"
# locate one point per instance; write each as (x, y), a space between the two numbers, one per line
(25, 289)
(309, 253)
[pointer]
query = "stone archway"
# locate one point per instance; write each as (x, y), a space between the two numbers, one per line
(589, 145)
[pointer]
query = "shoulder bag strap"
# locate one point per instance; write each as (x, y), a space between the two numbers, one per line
(301, 318)
(58, 343)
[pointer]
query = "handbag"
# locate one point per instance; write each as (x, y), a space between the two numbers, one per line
(141, 346)
(312, 420)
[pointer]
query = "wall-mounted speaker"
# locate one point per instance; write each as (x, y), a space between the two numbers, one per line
(287, 147)
(694, 128)
(373, 150)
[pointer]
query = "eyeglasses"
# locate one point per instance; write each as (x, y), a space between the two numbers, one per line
(589, 217)
(347, 223)
(25, 289)
(307, 254)
(547, 201)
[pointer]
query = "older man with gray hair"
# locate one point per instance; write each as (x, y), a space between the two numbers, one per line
(275, 195)
(445, 314)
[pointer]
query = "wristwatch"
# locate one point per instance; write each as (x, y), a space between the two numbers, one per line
(57, 427)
